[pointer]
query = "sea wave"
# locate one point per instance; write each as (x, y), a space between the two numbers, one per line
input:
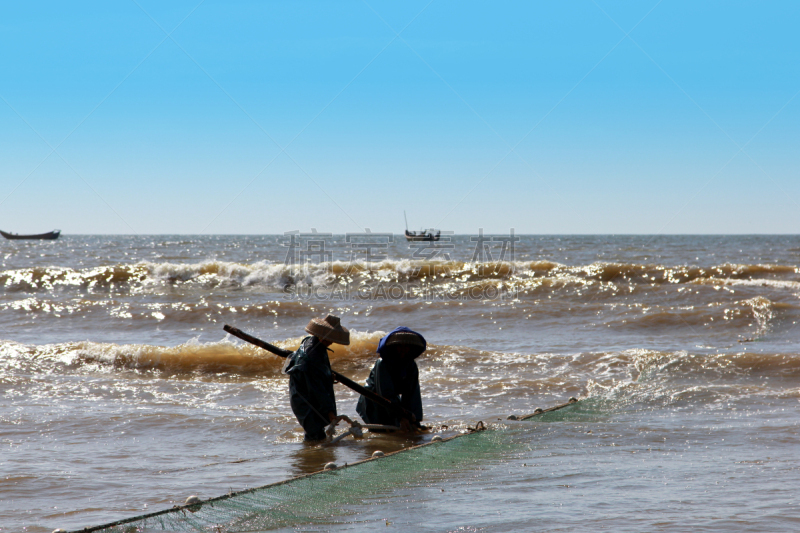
(678, 379)
(758, 312)
(143, 312)
(226, 356)
(453, 274)
(441, 364)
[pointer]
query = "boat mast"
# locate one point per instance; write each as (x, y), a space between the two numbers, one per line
(405, 217)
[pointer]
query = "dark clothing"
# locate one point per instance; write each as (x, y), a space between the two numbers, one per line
(397, 381)
(311, 387)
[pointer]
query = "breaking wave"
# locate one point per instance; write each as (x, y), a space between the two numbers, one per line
(224, 357)
(278, 276)
(533, 371)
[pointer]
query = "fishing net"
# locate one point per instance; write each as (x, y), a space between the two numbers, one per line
(323, 497)
(331, 496)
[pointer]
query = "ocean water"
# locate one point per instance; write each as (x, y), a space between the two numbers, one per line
(121, 393)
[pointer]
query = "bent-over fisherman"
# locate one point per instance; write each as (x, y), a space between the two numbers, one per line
(395, 376)
(310, 378)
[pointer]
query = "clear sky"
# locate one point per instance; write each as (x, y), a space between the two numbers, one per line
(265, 117)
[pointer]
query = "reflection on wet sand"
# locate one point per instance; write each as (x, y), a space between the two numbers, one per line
(313, 457)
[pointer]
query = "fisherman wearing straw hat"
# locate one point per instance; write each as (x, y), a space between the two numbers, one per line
(395, 376)
(310, 378)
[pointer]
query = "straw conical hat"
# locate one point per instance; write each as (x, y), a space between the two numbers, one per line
(329, 329)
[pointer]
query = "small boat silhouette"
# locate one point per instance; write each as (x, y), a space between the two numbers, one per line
(41, 236)
(421, 235)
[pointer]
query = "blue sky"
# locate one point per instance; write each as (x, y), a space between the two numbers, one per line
(545, 117)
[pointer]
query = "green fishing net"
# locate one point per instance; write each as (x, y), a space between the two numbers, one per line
(329, 496)
(320, 498)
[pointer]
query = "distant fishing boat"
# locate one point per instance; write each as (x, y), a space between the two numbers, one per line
(421, 235)
(41, 236)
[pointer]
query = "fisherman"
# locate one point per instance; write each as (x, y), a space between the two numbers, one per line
(310, 378)
(395, 376)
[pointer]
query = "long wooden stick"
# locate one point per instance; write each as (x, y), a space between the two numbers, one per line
(236, 332)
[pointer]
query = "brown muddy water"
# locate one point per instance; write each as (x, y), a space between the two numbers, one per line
(121, 393)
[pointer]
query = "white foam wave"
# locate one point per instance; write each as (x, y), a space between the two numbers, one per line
(759, 282)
